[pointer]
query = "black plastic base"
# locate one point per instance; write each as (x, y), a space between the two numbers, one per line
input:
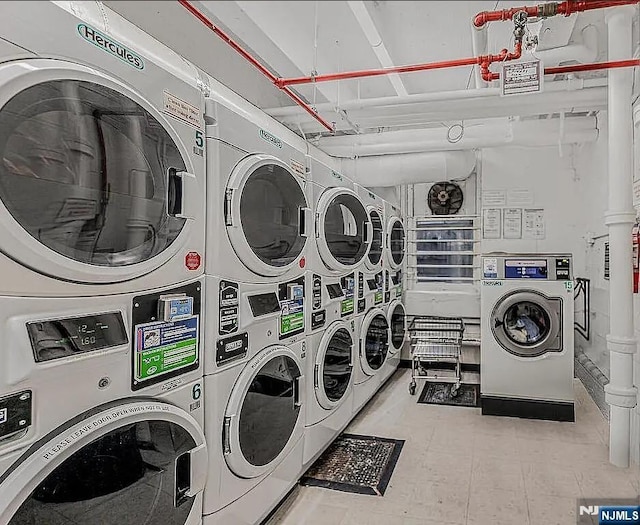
(527, 408)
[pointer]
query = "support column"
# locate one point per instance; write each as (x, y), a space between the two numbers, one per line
(620, 392)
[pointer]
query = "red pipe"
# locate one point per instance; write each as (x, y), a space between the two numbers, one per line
(546, 10)
(254, 62)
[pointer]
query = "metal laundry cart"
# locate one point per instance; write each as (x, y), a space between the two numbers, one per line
(439, 340)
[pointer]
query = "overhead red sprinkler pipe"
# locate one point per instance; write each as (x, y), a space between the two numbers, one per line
(255, 63)
(547, 10)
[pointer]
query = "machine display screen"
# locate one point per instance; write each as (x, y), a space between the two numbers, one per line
(58, 338)
(525, 269)
(372, 284)
(264, 304)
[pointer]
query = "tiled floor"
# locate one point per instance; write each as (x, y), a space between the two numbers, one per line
(459, 467)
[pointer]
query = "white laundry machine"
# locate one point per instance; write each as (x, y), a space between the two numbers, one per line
(101, 413)
(102, 180)
(396, 317)
(258, 215)
(527, 336)
(342, 236)
(255, 398)
(101, 236)
(370, 275)
(373, 348)
(394, 252)
(329, 372)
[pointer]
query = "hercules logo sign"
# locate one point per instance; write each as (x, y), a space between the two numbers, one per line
(110, 45)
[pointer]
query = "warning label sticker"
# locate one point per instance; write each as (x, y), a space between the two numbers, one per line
(181, 110)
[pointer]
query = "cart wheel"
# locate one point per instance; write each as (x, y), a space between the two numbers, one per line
(412, 388)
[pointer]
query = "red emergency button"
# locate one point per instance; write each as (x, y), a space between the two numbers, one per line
(192, 260)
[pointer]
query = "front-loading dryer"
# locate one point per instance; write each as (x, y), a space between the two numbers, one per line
(330, 362)
(101, 180)
(396, 317)
(373, 348)
(527, 353)
(101, 409)
(255, 398)
(258, 214)
(342, 235)
(370, 274)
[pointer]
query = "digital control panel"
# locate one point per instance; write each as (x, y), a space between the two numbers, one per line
(525, 269)
(58, 338)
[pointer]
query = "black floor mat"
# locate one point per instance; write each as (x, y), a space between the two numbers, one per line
(435, 393)
(352, 463)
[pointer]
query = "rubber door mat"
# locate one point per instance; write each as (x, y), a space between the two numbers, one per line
(352, 463)
(435, 393)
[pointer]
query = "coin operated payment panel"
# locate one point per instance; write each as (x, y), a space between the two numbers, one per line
(536, 267)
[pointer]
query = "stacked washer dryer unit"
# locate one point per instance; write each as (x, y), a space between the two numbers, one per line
(394, 259)
(342, 238)
(101, 231)
(371, 324)
(527, 336)
(258, 220)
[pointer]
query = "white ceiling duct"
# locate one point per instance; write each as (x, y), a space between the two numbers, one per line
(501, 132)
(393, 170)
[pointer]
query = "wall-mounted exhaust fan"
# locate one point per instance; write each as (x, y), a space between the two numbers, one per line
(445, 198)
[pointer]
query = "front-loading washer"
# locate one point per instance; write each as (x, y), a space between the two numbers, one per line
(527, 353)
(255, 399)
(101, 409)
(373, 348)
(102, 184)
(329, 374)
(258, 215)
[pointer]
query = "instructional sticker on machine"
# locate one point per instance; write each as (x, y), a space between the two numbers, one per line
(512, 223)
(297, 167)
(162, 347)
(291, 316)
(534, 224)
(183, 111)
(490, 268)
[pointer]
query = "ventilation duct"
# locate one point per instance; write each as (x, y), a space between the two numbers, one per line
(414, 168)
(504, 132)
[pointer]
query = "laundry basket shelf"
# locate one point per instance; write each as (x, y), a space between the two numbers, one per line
(435, 340)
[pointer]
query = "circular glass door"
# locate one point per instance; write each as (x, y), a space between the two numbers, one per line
(396, 242)
(344, 232)
(334, 365)
(271, 208)
(134, 472)
(267, 402)
(527, 324)
(375, 250)
(92, 175)
(397, 326)
(375, 343)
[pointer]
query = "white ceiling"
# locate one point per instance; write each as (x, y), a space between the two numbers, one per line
(296, 38)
